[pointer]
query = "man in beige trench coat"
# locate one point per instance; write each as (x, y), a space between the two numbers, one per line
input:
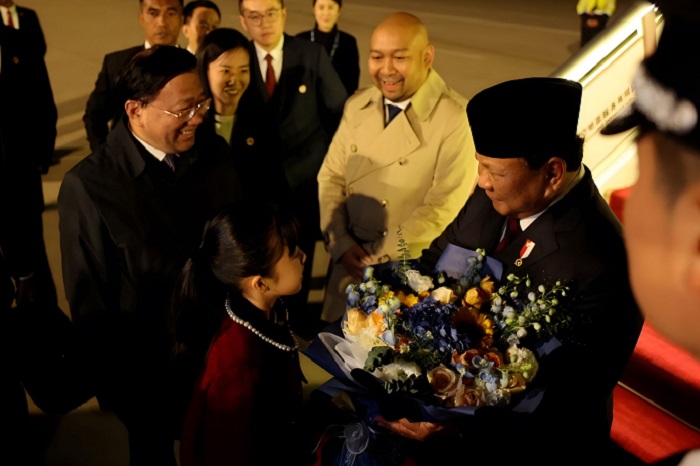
(401, 164)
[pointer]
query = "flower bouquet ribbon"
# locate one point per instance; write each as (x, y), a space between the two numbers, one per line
(458, 342)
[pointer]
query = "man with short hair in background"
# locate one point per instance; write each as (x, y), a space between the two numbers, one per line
(161, 21)
(200, 18)
(401, 164)
(294, 83)
(130, 215)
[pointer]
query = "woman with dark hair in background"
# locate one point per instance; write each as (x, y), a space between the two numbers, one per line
(230, 322)
(223, 64)
(341, 46)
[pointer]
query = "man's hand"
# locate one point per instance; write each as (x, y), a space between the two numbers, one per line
(414, 430)
(354, 259)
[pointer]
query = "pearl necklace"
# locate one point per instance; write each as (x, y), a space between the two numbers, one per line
(258, 333)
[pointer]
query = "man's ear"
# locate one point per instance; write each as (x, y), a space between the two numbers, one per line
(428, 55)
(243, 22)
(555, 170)
(133, 110)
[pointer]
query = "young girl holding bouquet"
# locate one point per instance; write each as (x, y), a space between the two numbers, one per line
(231, 330)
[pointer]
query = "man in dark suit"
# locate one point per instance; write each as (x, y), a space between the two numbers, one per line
(531, 177)
(130, 214)
(27, 136)
(161, 20)
(303, 98)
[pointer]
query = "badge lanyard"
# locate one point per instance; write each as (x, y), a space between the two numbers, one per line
(336, 41)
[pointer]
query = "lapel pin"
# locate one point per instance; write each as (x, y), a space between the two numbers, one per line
(525, 252)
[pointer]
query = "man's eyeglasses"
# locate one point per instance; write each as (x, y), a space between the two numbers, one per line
(256, 18)
(189, 113)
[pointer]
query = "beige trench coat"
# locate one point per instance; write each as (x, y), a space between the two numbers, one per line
(413, 176)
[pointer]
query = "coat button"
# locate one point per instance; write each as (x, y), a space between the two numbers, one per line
(302, 89)
(384, 203)
(384, 233)
(403, 161)
(250, 141)
(353, 148)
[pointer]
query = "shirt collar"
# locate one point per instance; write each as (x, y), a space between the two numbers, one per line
(402, 105)
(526, 222)
(157, 153)
(276, 52)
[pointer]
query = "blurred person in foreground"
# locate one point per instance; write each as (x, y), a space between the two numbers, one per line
(341, 46)
(662, 213)
(223, 63)
(130, 215)
(161, 21)
(200, 18)
(402, 159)
(538, 211)
(230, 319)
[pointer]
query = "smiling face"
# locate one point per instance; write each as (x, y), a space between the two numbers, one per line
(161, 20)
(163, 131)
(264, 21)
(229, 76)
(400, 57)
(203, 21)
(326, 13)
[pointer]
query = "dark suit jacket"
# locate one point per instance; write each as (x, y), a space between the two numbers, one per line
(128, 225)
(102, 107)
(345, 59)
(27, 137)
(257, 155)
(578, 240)
(305, 108)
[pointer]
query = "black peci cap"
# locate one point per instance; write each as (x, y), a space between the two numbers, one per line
(533, 118)
(667, 84)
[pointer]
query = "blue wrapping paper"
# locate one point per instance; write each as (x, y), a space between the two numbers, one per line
(399, 405)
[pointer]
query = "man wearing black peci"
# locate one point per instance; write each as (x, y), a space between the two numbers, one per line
(538, 211)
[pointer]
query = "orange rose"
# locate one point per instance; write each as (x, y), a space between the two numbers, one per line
(465, 396)
(494, 356)
(444, 381)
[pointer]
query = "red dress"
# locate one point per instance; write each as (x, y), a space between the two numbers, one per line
(247, 401)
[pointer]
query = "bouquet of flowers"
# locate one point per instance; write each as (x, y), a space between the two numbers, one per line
(451, 341)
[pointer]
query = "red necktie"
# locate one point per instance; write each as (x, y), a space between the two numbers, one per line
(270, 76)
(9, 19)
(512, 231)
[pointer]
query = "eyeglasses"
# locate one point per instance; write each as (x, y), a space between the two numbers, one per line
(256, 18)
(189, 113)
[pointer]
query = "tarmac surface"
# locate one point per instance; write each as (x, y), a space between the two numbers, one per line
(478, 44)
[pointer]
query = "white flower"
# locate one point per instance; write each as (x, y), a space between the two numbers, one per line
(418, 282)
(397, 370)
